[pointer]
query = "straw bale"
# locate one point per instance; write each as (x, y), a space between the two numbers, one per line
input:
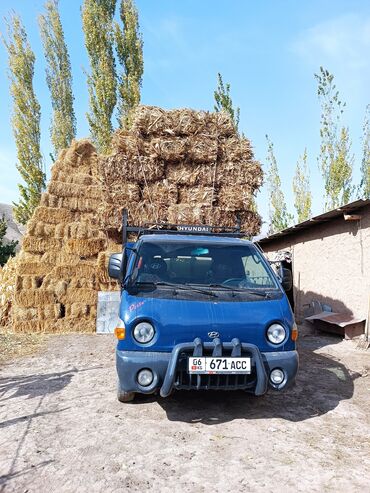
(118, 168)
(225, 125)
(79, 204)
(122, 195)
(169, 148)
(29, 257)
(202, 149)
(61, 231)
(84, 230)
(40, 229)
(81, 295)
(25, 326)
(41, 245)
(53, 215)
(79, 151)
(8, 276)
(34, 268)
(145, 213)
(20, 313)
(63, 189)
(56, 286)
(60, 257)
(79, 310)
(161, 194)
(127, 143)
(51, 311)
(33, 297)
(248, 173)
(235, 149)
(184, 121)
(86, 248)
(69, 175)
(234, 197)
(149, 120)
(198, 196)
(85, 282)
(188, 174)
(185, 214)
(49, 200)
(79, 271)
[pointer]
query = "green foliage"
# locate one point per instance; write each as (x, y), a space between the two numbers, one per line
(364, 189)
(301, 189)
(97, 20)
(6, 250)
(224, 101)
(58, 77)
(129, 46)
(335, 161)
(25, 119)
(279, 216)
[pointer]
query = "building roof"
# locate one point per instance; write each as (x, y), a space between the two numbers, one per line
(350, 208)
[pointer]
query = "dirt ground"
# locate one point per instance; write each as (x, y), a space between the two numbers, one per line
(62, 429)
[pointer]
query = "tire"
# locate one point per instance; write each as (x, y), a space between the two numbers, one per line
(123, 396)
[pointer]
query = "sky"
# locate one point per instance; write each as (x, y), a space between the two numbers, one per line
(268, 51)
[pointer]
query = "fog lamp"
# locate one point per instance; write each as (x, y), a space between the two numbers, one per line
(277, 376)
(145, 377)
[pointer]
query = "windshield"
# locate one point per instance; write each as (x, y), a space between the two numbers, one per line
(202, 264)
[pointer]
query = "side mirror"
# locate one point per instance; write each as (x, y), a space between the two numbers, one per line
(115, 266)
(286, 279)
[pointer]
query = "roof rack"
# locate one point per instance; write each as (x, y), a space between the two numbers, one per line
(189, 229)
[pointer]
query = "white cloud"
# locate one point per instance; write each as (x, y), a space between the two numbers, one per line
(344, 40)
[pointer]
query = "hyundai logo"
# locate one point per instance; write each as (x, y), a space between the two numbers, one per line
(213, 334)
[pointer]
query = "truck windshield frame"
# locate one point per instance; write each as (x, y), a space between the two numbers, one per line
(202, 265)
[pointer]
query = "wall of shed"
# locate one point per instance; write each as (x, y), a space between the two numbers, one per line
(331, 263)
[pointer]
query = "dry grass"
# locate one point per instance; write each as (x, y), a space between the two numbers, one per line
(13, 345)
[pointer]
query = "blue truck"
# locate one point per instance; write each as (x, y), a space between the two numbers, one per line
(201, 308)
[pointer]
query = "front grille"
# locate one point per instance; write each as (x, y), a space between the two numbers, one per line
(188, 381)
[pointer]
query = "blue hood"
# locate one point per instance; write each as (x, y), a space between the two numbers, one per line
(177, 321)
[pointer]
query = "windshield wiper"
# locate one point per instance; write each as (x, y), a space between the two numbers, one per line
(263, 294)
(184, 287)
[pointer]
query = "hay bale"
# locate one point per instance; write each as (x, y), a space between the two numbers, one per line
(49, 200)
(8, 275)
(189, 174)
(63, 189)
(171, 149)
(80, 271)
(81, 295)
(52, 215)
(79, 151)
(33, 297)
(69, 175)
(34, 268)
(198, 196)
(151, 120)
(160, 194)
(118, 168)
(85, 248)
(40, 229)
(249, 221)
(40, 245)
(244, 173)
(25, 314)
(49, 311)
(202, 149)
(185, 214)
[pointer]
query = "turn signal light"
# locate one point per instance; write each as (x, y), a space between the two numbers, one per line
(120, 332)
(294, 333)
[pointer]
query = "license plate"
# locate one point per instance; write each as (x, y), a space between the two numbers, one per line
(209, 365)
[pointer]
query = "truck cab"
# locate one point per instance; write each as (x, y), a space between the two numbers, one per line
(201, 310)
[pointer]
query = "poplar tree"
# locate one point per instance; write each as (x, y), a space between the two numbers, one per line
(129, 47)
(7, 249)
(97, 20)
(301, 189)
(224, 101)
(58, 77)
(335, 160)
(279, 216)
(25, 119)
(364, 189)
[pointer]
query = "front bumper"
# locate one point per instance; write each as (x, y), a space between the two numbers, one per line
(170, 369)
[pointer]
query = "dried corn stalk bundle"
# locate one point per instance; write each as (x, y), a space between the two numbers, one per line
(160, 194)
(235, 149)
(198, 196)
(123, 195)
(151, 120)
(190, 174)
(185, 214)
(171, 149)
(202, 149)
(234, 197)
(126, 143)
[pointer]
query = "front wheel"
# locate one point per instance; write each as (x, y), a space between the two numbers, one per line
(123, 396)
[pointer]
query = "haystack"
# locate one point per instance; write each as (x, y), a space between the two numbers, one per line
(179, 166)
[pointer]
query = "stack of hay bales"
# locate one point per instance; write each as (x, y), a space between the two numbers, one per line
(181, 166)
(58, 275)
(176, 167)
(7, 287)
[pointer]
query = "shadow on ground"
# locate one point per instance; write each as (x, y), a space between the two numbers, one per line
(322, 383)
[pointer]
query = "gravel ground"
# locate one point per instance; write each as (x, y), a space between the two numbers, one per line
(62, 429)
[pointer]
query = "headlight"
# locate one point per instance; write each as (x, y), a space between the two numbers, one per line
(276, 333)
(144, 332)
